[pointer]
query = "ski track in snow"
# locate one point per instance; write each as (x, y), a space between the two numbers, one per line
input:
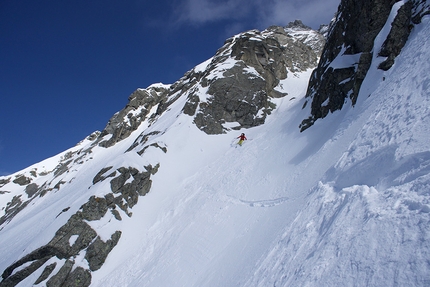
(257, 203)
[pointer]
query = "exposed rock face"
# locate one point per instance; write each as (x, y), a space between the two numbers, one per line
(4, 181)
(77, 236)
(240, 81)
(407, 16)
(140, 104)
(351, 37)
(13, 207)
(241, 93)
(22, 180)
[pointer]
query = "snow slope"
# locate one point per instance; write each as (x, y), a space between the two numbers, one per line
(345, 203)
(366, 222)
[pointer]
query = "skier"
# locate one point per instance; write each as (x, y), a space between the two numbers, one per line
(241, 138)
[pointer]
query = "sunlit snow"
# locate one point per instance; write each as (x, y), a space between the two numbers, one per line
(345, 203)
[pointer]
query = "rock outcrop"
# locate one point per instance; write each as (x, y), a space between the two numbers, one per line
(139, 107)
(77, 237)
(242, 92)
(348, 53)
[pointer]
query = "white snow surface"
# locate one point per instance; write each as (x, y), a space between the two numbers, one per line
(345, 203)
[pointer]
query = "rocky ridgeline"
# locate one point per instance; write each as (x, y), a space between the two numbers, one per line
(138, 109)
(352, 34)
(239, 81)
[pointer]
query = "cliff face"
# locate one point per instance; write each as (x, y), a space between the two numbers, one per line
(350, 50)
(256, 61)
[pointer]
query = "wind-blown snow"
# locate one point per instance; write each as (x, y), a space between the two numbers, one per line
(345, 203)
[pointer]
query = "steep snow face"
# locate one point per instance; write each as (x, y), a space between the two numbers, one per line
(366, 223)
(345, 203)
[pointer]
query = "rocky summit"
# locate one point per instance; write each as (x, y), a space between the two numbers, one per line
(240, 81)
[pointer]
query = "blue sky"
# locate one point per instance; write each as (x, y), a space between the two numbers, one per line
(67, 66)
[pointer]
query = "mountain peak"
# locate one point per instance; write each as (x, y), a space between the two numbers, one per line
(297, 24)
(251, 63)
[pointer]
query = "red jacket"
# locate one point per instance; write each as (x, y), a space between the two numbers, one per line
(242, 137)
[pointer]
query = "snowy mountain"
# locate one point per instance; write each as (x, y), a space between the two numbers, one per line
(163, 196)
